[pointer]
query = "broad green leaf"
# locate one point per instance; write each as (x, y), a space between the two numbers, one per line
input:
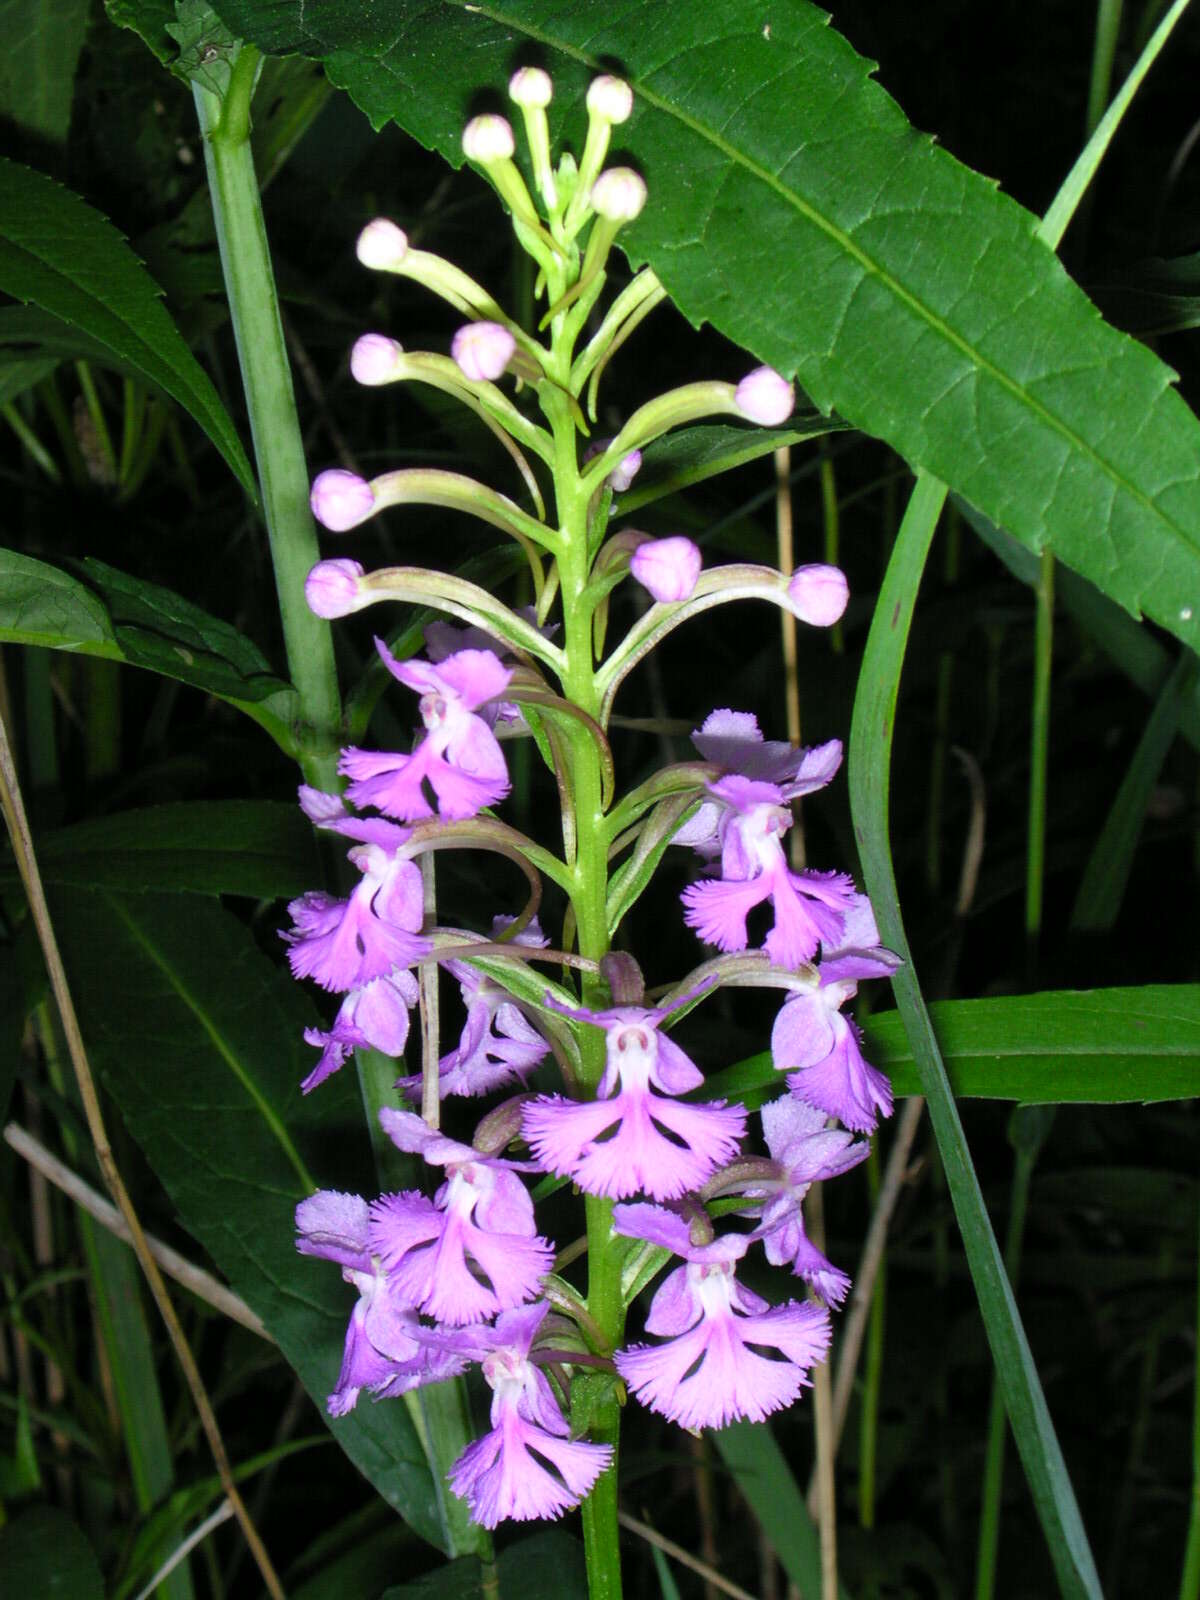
(149, 19)
(261, 848)
(43, 606)
(1091, 1046)
(794, 208)
(42, 42)
(44, 1553)
(126, 619)
(548, 1564)
(198, 1038)
(751, 1453)
(59, 254)
(682, 459)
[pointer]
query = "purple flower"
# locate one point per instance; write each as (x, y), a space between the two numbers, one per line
(526, 1468)
(806, 1152)
(374, 359)
(711, 1370)
(810, 907)
(820, 1047)
(818, 594)
(634, 1136)
(382, 245)
(471, 1251)
(341, 500)
(482, 350)
(458, 758)
(669, 568)
(344, 944)
(383, 1352)
(375, 1015)
(498, 1044)
(331, 588)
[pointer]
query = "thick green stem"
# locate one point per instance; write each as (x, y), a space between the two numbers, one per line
(270, 400)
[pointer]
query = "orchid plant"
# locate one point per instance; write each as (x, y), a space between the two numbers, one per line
(465, 1278)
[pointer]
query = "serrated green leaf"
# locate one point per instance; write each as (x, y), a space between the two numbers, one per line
(1091, 1047)
(260, 848)
(44, 1553)
(819, 230)
(42, 42)
(198, 1038)
(148, 19)
(59, 254)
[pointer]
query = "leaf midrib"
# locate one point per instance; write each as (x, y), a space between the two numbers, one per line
(837, 235)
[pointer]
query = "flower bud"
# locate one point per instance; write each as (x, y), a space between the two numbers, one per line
(619, 194)
(625, 471)
(373, 359)
(382, 245)
(764, 396)
(483, 350)
(610, 98)
(331, 588)
(341, 500)
(667, 567)
(488, 138)
(818, 594)
(530, 87)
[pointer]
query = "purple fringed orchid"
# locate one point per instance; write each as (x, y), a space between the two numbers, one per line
(805, 1152)
(498, 1044)
(634, 1136)
(473, 1249)
(526, 1467)
(810, 907)
(375, 1016)
(819, 1048)
(387, 1351)
(346, 944)
(459, 758)
(710, 1371)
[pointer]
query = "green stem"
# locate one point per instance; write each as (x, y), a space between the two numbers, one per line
(1189, 1583)
(868, 1430)
(270, 400)
(1039, 757)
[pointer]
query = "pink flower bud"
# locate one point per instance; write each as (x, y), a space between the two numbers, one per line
(341, 500)
(765, 397)
(487, 138)
(619, 194)
(331, 588)
(667, 567)
(818, 594)
(382, 245)
(483, 350)
(373, 359)
(625, 471)
(610, 98)
(530, 86)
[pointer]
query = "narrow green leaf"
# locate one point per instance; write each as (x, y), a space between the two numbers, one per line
(198, 1037)
(688, 457)
(548, 1564)
(751, 1453)
(42, 42)
(1107, 873)
(43, 1553)
(19, 373)
(57, 253)
(870, 775)
(907, 292)
(261, 848)
(1091, 1046)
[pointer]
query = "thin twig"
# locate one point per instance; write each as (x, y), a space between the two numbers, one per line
(18, 826)
(684, 1557)
(193, 1278)
(222, 1514)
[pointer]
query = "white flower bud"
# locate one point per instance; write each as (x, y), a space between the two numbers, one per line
(531, 87)
(488, 138)
(765, 397)
(818, 594)
(382, 245)
(331, 590)
(619, 194)
(610, 98)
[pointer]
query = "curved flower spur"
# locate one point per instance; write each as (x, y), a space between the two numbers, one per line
(454, 1272)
